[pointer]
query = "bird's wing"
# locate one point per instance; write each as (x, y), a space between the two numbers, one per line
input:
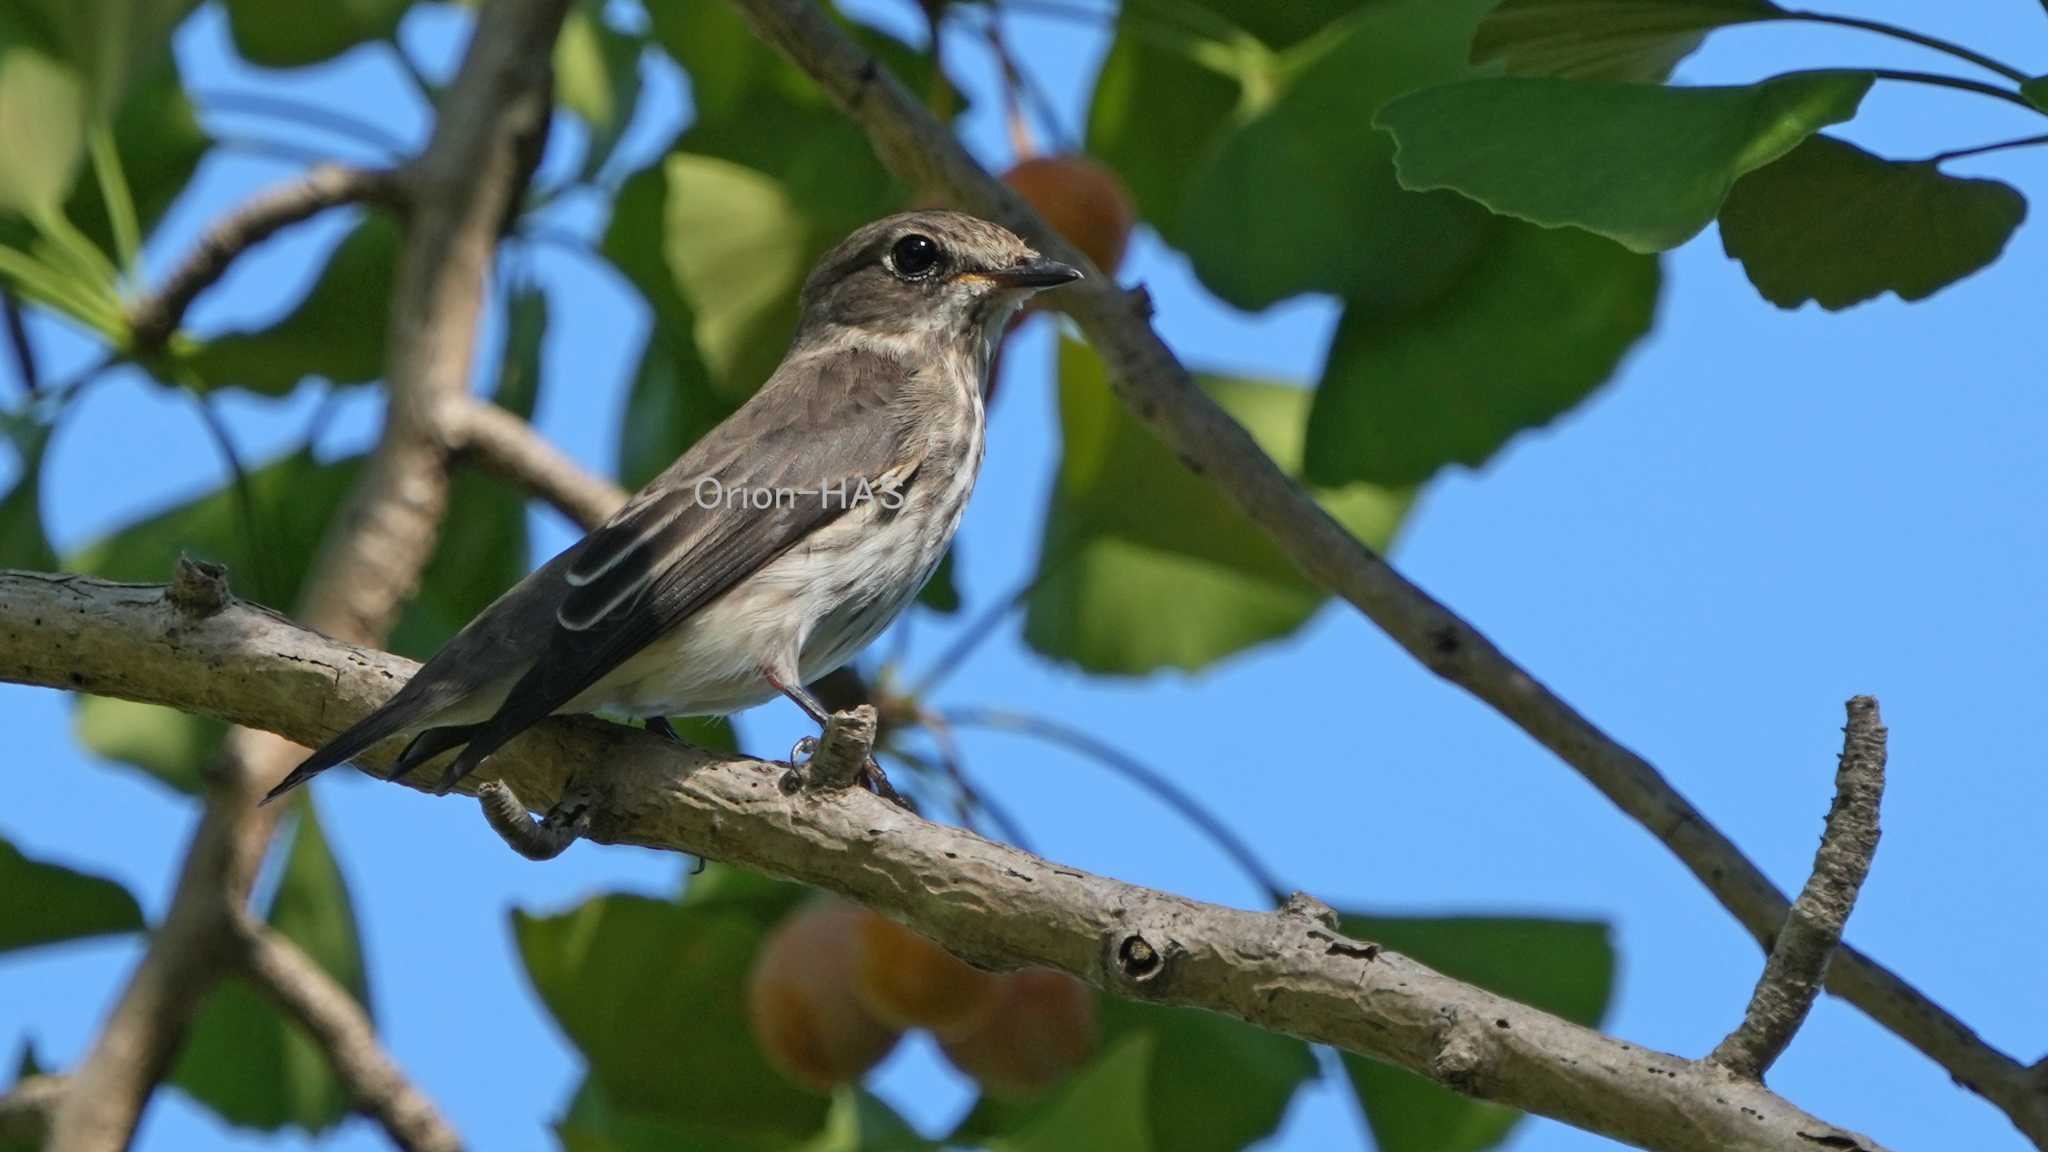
(823, 421)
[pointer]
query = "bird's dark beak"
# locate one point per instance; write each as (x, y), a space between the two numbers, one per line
(1036, 274)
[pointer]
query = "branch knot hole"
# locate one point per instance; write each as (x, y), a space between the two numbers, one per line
(199, 588)
(1140, 963)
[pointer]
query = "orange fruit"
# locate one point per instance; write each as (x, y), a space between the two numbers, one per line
(1083, 200)
(910, 982)
(1041, 1028)
(801, 1000)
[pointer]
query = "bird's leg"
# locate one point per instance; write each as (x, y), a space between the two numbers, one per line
(660, 726)
(871, 775)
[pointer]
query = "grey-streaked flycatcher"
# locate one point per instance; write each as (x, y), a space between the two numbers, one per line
(780, 544)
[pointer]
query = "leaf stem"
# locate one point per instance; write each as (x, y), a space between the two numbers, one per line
(1911, 37)
(973, 636)
(303, 113)
(1134, 770)
(1986, 149)
(1942, 80)
(119, 202)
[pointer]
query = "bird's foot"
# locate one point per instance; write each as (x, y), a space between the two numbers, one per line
(800, 753)
(875, 780)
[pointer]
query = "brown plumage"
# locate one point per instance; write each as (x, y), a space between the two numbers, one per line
(781, 543)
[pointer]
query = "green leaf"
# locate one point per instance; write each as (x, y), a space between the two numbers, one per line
(755, 109)
(170, 745)
(597, 77)
(1537, 323)
(1298, 199)
(48, 903)
(1211, 1084)
(1145, 565)
(671, 404)
(653, 994)
(64, 66)
(1646, 166)
(739, 249)
(1834, 224)
(2036, 92)
(1565, 967)
(292, 35)
(43, 117)
(941, 593)
(242, 1057)
(720, 234)
(23, 542)
(1101, 1107)
(1637, 41)
(1154, 117)
(336, 332)
(856, 1122)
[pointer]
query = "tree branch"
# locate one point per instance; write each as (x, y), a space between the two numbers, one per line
(26, 1108)
(509, 446)
(1154, 385)
(153, 318)
(331, 1016)
(458, 192)
(1798, 961)
(1287, 971)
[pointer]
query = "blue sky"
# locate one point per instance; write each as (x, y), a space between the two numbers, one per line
(1765, 513)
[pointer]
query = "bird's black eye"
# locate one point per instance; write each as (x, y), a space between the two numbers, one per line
(914, 256)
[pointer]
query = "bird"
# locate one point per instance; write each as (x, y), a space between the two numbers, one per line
(777, 546)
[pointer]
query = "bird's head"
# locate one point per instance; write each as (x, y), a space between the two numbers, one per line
(944, 275)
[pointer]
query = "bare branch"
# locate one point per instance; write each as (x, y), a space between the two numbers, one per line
(330, 1015)
(992, 904)
(457, 194)
(509, 446)
(26, 1108)
(1154, 385)
(154, 317)
(1798, 961)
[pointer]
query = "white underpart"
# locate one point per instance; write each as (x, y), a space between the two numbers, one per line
(819, 604)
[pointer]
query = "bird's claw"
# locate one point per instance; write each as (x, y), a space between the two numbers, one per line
(800, 753)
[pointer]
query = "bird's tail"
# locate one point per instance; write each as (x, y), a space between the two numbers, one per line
(358, 738)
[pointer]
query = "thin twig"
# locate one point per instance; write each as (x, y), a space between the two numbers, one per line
(1799, 960)
(508, 445)
(1908, 35)
(154, 317)
(1987, 149)
(973, 802)
(1157, 388)
(1137, 772)
(255, 532)
(377, 1086)
(302, 113)
(20, 345)
(1943, 80)
(973, 636)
